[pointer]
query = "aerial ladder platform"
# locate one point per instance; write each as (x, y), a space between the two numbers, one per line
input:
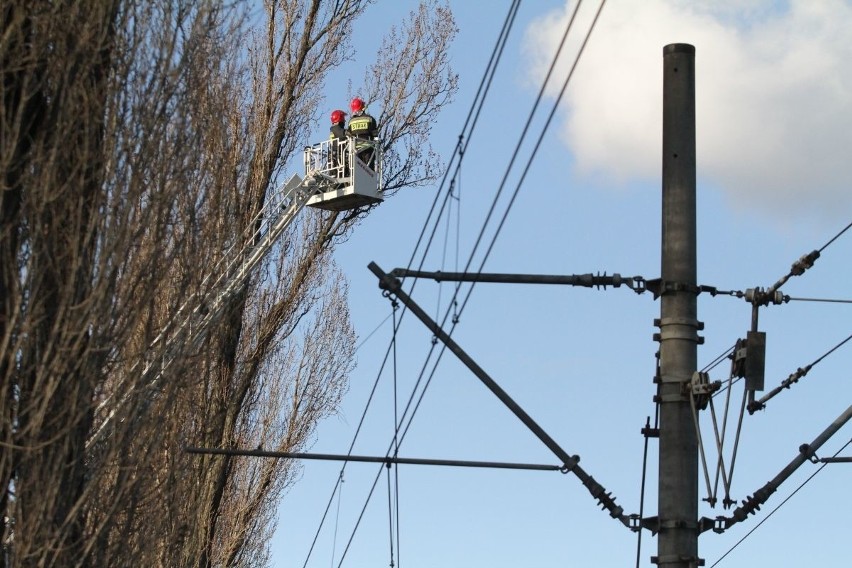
(340, 175)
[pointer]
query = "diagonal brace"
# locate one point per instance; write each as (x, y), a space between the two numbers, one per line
(570, 463)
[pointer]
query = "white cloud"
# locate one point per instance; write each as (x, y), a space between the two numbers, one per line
(773, 96)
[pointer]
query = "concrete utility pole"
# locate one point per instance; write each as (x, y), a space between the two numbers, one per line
(677, 544)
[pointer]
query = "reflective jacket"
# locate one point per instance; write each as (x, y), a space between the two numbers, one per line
(363, 126)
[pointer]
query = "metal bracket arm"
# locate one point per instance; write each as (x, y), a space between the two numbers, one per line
(588, 280)
(388, 460)
(570, 463)
(806, 452)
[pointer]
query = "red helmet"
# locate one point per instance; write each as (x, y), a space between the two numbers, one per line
(357, 105)
(337, 116)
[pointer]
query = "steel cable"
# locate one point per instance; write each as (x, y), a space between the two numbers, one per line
(835, 237)
(471, 120)
(470, 290)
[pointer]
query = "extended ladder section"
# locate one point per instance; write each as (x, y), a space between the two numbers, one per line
(336, 178)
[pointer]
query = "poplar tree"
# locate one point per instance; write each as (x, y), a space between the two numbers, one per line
(139, 142)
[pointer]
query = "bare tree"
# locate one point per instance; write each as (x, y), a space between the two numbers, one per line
(411, 81)
(55, 98)
(140, 142)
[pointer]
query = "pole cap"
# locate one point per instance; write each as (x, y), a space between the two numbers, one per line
(679, 48)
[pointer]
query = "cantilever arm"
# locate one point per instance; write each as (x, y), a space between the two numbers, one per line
(570, 463)
(806, 452)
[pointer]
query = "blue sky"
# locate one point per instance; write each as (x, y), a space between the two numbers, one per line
(774, 122)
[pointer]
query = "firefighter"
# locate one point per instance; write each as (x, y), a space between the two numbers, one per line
(338, 125)
(363, 127)
(337, 148)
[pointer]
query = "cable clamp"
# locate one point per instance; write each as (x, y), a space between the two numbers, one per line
(678, 333)
(691, 322)
(660, 287)
(693, 561)
(650, 523)
(671, 398)
(649, 432)
(809, 453)
(569, 466)
(706, 524)
(639, 285)
(675, 379)
(389, 284)
(677, 524)
(678, 328)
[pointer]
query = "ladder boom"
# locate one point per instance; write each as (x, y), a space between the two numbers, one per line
(339, 175)
(200, 312)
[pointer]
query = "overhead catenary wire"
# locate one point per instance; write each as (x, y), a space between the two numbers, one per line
(484, 260)
(522, 138)
(349, 451)
(506, 212)
(395, 447)
(397, 423)
(545, 127)
(505, 177)
(404, 431)
(466, 134)
(506, 174)
(552, 112)
(453, 198)
(464, 139)
(372, 333)
(336, 521)
(471, 120)
(806, 452)
(569, 463)
(835, 237)
(390, 514)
